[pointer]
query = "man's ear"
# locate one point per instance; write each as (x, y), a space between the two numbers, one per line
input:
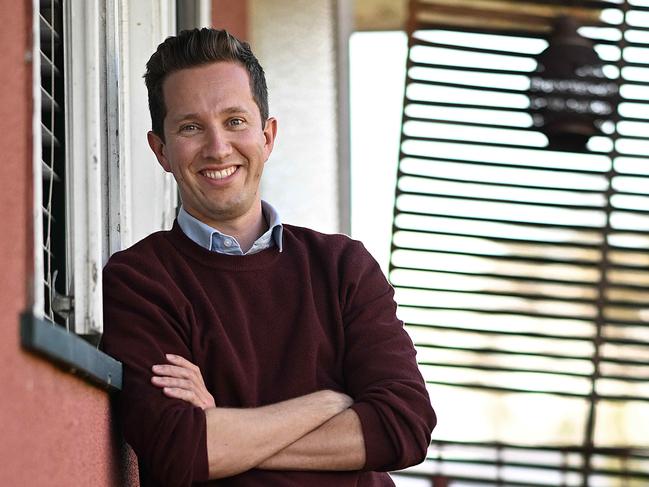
(158, 147)
(270, 131)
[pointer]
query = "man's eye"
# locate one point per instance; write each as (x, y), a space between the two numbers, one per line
(190, 127)
(235, 122)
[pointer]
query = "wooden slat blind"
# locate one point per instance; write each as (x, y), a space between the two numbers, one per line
(522, 272)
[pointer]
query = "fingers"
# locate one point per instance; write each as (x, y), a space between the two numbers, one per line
(348, 401)
(181, 362)
(173, 371)
(182, 380)
(181, 368)
(184, 394)
(171, 382)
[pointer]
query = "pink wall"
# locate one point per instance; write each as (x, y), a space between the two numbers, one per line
(56, 428)
(231, 15)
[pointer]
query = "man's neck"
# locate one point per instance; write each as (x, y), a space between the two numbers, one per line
(246, 229)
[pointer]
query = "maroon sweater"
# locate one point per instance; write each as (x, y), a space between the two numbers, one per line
(262, 328)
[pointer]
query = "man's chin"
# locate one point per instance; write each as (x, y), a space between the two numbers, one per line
(228, 212)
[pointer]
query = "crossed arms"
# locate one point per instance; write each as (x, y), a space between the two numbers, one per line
(317, 431)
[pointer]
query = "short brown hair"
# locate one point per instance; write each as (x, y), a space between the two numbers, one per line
(196, 47)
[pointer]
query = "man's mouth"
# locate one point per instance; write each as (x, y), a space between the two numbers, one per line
(224, 173)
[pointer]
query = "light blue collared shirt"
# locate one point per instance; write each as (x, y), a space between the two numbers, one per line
(211, 239)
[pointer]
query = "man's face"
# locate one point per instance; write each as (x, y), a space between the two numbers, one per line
(215, 144)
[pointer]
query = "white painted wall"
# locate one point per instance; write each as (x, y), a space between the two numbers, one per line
(152, 192)
(295, 42)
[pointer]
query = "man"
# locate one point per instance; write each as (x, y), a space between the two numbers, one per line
(255, 352)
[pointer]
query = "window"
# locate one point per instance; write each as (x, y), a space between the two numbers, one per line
(72, 177)
(88, 126)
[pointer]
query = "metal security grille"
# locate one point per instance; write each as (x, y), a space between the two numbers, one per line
(521, 271)
(53, 156)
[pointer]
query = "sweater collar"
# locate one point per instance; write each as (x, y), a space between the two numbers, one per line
(212, 239)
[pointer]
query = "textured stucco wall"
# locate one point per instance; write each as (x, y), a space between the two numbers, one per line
(231, 15)
(56, 428)
(295, 43)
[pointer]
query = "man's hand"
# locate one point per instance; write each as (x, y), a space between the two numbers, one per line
(182, 379)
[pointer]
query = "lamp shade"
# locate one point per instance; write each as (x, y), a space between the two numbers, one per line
(570, 97)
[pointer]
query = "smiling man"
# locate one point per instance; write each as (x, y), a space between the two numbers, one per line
(255, 352)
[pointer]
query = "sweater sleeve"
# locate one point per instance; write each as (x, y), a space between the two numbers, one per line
(381, 371)
(143, 320)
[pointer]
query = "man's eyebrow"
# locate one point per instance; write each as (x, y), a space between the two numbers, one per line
(185, 116)
(226, 111)
(235, 109)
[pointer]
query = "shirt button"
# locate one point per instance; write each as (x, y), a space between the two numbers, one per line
(227, 242)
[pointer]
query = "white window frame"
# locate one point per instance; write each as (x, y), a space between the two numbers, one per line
(85, 159)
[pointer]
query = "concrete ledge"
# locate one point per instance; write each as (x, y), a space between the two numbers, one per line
(70, 351)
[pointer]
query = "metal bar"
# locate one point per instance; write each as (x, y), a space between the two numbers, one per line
(478, 481)
(519, 201)
(492, 368)
(526, 129)
(470, 69)
(417, 41)
(506, 311)
(540, 466)
(523, 202)
(510, 257)
(516, 390)
(511, 277)
(636, 474)
(618, 303)
(480, 163)
(490, 89)
(497, 351)
(544, 336)
(465, 86)
(481, 50)
(497, 238)
(507, 185)
(581, 234)
(498, 145)
(626, 451)
(522, 278)
(487, 331)
(498, 294)
(517, 220)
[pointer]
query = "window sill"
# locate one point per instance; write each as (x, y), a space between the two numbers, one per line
(70, 351)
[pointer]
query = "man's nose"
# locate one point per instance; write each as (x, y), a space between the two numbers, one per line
(216, 144)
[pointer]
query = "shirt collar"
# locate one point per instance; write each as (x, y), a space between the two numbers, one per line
(212, 239)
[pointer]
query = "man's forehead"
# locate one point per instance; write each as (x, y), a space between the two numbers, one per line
(222, 79)
(218, 72)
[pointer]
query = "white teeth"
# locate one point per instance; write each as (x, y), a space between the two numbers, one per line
(220, 174)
